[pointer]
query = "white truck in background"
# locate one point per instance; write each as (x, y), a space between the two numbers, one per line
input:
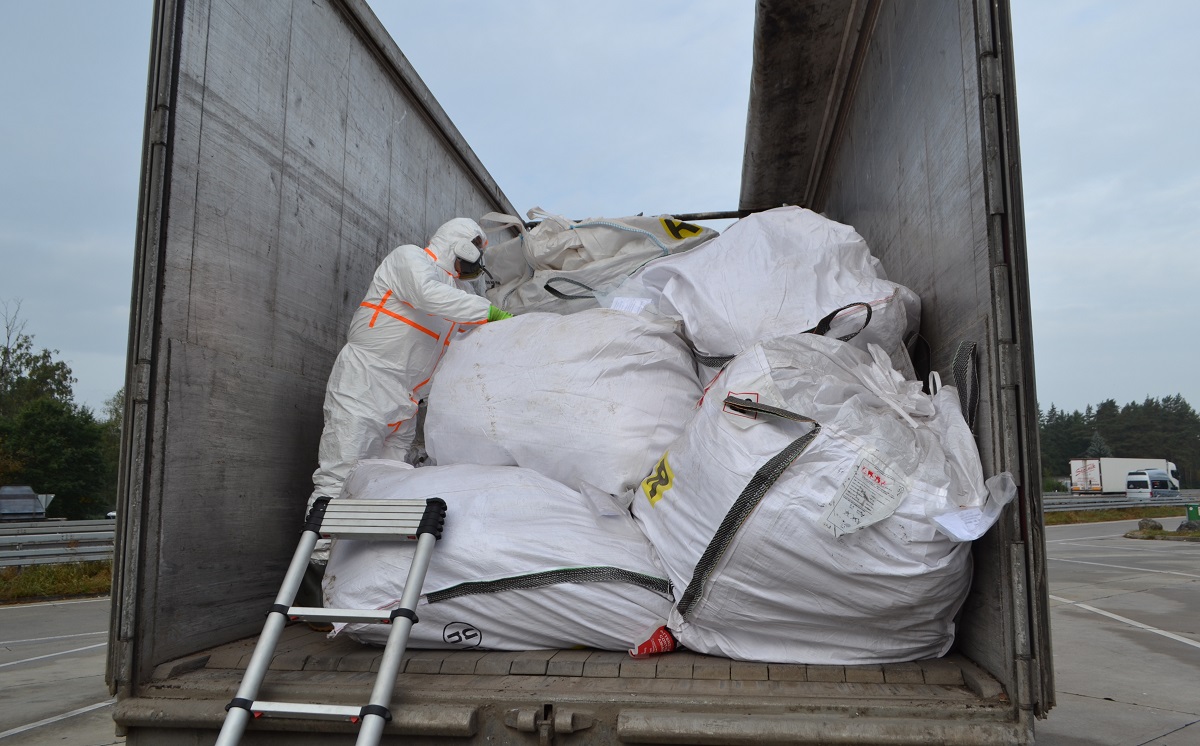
(1105, 475)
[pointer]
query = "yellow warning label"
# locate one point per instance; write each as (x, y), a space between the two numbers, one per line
(659, 481)
(680, 229)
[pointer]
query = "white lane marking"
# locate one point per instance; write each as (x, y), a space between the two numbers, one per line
(56, 637)
(55, 719)
(5, 607)
(1115, 548)
(1130, 622)
(52, 655)
(1123, 567)
(1085, 538)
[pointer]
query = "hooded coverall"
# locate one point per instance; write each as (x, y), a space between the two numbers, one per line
(415, 305)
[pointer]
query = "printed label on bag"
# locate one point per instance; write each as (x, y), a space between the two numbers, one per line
(631, 305)
(751, 395)
(871, 493)
(679, 229)
(463, 634)
(660, 641)
(659, 481)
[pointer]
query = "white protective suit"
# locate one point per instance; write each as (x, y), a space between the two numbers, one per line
(415, 305)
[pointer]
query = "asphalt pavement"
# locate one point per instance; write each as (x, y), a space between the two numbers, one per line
(52, 658)
(1125, 629)
(1125, 624)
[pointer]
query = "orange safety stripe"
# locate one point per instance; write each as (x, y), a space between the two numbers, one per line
(380, 309)
(430, 253)
(419, 385)
(395, 426)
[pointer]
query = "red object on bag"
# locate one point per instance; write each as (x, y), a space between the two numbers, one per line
(661, 641)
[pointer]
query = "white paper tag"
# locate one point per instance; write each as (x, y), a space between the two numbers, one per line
(871, 493)
(965, 524)
(632, 305)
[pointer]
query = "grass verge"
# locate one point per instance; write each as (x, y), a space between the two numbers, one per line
(55, 581)
(1059, 517)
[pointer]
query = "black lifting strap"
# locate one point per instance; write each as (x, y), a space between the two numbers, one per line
(564, 296)
(966, 380)
(822, 327)
(746, 502)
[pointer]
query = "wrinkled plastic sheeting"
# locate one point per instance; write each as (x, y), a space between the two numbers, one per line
(797, 576)
(776, 273)
(592, 397)
(520, 535)
(577, 259)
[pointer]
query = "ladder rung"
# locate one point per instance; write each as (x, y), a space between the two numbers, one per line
(368, 534)
(318, 614)
(304, 710)
(381, 521)
(352, 505)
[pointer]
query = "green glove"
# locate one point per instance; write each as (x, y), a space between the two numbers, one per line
(496, 314)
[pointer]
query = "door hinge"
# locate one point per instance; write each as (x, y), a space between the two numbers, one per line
(547, 722)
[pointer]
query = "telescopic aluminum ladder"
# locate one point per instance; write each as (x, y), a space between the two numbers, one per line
(366, 520)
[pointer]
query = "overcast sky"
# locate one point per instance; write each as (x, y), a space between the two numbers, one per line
(588, 107)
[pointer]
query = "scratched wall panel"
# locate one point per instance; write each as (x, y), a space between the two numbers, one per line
(291, 121)
(909, 177)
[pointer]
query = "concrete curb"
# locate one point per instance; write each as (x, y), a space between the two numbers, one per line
(1144, 535)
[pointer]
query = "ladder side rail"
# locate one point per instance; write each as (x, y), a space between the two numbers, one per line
(238, 711)
(371, 729)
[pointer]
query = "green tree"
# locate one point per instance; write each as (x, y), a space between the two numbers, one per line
(1097, 448)
(26, 375)
(59, 447)
(1154, 428)
(111, 425)
(46, 440)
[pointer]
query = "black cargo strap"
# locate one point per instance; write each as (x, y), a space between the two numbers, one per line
(745, 504)
(714, 361)
(379, 710)
(966, 380)
(564, 296)
(821, 329)
(408, 614)
(661, 586)
(433, 520)
(239, 702)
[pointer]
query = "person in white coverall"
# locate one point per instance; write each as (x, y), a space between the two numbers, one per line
(418, 301)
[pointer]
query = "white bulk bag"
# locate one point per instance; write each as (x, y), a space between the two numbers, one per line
(524, 563)
(589, 397)
(760, 542)
(780, 272)
(559, 264)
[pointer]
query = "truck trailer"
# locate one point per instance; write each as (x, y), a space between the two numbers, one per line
(1107, 475)
(289, 146)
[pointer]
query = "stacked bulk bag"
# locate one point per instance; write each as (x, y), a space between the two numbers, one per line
(524, 563)
(794, 513)
(559, 264)
(591, 397)
(776, 273)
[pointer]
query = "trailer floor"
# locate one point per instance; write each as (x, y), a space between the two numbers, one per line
(587, 696)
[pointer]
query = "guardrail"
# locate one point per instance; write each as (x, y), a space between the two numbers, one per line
(55, 542)
(1054, 502)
